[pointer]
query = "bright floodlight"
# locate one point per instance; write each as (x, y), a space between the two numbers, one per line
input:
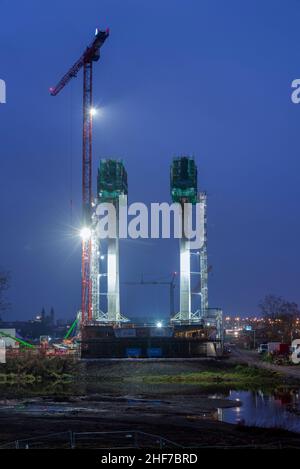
(159, 324)
(102, 257)
(93, 111)
(85, 233)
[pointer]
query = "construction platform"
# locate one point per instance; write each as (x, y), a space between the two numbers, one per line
(136, 341)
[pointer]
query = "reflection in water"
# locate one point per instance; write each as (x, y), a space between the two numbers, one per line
(279, 409)
(263, 410)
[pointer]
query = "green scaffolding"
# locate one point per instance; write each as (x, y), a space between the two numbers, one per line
(184, 180)
(112, 180)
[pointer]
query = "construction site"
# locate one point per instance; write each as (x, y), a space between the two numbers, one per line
(143, 304)
(100, 329)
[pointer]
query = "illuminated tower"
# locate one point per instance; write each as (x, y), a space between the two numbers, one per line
(184, 191)
(112, 188)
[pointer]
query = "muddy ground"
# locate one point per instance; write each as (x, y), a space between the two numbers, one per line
(188, 422)
(111, 397)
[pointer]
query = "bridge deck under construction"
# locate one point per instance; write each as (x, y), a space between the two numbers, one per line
(189, 341)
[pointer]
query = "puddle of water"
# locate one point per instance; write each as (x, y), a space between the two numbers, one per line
(135, 401)
(262, 410)
(254, 407)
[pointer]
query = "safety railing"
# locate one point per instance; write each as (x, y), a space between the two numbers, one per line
(93, 440)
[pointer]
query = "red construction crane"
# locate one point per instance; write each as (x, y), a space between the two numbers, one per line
(90, 55)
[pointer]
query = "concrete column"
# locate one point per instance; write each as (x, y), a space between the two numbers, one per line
(185, 275)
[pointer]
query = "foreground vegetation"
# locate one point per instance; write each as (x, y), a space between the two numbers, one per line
(234, 377)
(31, 369)
(209, 375)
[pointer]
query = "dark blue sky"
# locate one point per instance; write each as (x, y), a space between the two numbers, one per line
(209, 78)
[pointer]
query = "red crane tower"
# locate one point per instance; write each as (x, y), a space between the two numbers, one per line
(90, 55)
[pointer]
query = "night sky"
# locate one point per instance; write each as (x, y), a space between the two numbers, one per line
(210, 78)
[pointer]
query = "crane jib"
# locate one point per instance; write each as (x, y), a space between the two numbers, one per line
(91, 54)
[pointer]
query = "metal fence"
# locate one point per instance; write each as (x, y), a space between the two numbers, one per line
(51, 440)
(93, 440)
(123, 440)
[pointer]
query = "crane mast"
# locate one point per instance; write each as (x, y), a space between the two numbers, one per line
(90, 55)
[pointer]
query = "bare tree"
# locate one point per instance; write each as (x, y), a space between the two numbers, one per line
(276, 307)
(280, 315)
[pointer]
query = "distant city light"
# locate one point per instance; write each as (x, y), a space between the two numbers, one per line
(159, 324)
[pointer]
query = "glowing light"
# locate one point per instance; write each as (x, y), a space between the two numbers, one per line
(159, 324)
(93, 111)
(85, 233)
(102, 257)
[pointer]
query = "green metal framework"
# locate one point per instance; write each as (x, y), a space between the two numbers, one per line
(20, 341)
(112, 180)
(71, 328)
(184, 180)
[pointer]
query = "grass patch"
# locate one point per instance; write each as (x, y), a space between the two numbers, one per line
(238, 377)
